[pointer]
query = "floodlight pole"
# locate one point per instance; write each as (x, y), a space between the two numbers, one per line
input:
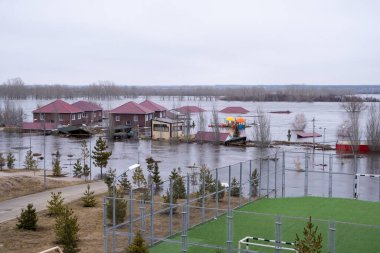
(132, 167)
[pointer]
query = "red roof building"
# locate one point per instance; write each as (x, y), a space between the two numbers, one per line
(91, 111)
(59, 113)
(234, 110)
(37, 126)
(131, 114)
(189, 109)
(201, 136)
(159, 111)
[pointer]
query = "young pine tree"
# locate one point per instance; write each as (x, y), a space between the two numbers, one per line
(254, 183)
(179, 189)
(109, 177)
(138, 245)
(55, 204)
(138, 177)
(156, 179)
(57, 169)
(10, 160)
(78, 169)
(150, 164)
(2, 161)
(100, 155)
(30, 163)
(235, 188)
(311, 241)
(28, 219)
(86, 171)
(66, 230)
(120, 207)
(88, 198)
(124, 183)
(221, 190)
(166, 198)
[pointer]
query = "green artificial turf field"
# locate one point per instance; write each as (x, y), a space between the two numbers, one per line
(257, 219)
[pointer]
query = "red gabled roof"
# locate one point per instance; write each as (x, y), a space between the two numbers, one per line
(153, 106)
(58, 106)
(131, 108)
(87, 106)
(189, 109)
(301, 134)
(234, 109)
(210, 136)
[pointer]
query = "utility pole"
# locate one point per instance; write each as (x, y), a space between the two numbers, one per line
(313, 133)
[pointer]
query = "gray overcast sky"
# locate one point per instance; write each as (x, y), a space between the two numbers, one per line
(190, 42)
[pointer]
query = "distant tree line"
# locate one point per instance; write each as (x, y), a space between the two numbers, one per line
(16, 89)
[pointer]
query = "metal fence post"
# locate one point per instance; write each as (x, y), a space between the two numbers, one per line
(203, 197)
(229, 214)
(142, 217)
(171, 207)
(260, 167)
(184, 229)
(331, 242)
(275, 175)
(306, 174)
(151, 215)
(330, 176)
(278, 234)
(188, 201)
(105, 224)
(217, 192)
(283, 175)
(250, 181)
(240, 184)
(268, 178)
(130, 215)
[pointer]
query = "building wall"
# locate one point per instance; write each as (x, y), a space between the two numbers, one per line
(60, 118)
(160, 114)
(93, 117)
(128, 119)
(166, 132)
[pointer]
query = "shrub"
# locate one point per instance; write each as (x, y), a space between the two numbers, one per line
(89, 199)
(55, 205)
(28, 219)
(120, 207)
(312, 241)
(66, 230)
(138, 245)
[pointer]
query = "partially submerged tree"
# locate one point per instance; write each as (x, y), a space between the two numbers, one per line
(2, 161)
(373, 127)
(100, 155)
(354, 107)
(261, 130)
(299, 123)
(215, 123)
(311, 241)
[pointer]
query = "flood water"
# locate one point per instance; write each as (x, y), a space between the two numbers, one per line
(327, 116)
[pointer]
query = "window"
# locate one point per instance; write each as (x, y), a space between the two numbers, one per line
(117, 118)
(42, 116)
(135, 118)
(73, 116)
(60, 117)
(128, 123)
(146, 117)
(100, 114)
(84, 115)
(160, 128)
(177, 128)
(150, 116)
(79, 115)
(94, 114)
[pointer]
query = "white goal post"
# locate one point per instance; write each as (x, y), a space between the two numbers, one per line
(246, 241)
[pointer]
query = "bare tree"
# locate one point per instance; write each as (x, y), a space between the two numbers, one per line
(201, 124)
(261, 133)
(299, 123)
(373, 127)
(215, 123)
(353, 106)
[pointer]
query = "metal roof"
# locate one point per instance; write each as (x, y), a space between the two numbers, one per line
(153, 106)
(87, 106)
(131, 108)
(58, 106)
(234, 109)
(189, 109)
